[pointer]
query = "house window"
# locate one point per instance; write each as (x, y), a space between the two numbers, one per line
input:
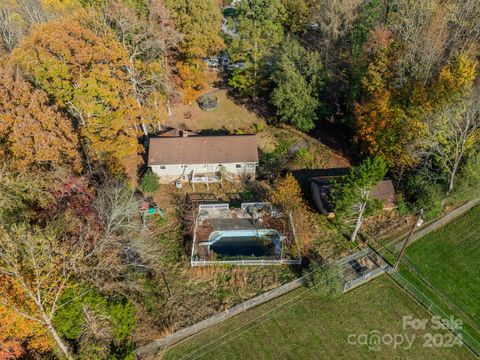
(238, 166)
(162, 167)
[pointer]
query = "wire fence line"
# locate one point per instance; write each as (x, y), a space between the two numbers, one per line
(438, 303)
(414, 212)
(212, 345)
(442, 297)
(389, 247)
(471, 341)
(220, 317)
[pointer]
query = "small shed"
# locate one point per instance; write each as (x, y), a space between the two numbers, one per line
(321, 186)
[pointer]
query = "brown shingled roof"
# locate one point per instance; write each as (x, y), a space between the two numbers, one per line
(202, 150)
(383, 191)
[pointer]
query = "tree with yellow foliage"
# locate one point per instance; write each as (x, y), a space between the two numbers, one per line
(382, 127)
(86, 76)
(33, 133)
(453, 124)
(192, 76)
(18, 334)
(286, 193)
(200, 22)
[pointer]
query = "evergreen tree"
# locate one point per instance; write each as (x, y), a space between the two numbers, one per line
(298, 77)
(259, 27)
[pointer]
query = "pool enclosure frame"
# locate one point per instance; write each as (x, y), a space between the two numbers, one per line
(250, 262)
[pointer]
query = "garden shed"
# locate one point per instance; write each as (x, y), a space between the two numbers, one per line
(321, 185)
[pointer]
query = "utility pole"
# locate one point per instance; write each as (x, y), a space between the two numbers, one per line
(418, 223)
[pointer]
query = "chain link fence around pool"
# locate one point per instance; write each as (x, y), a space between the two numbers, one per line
(287, 235)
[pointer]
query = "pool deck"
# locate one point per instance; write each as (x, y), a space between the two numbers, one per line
(232, 224)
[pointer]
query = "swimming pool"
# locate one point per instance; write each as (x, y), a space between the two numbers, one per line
(258, 243)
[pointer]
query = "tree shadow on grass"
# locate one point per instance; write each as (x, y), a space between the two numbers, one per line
(336, 137)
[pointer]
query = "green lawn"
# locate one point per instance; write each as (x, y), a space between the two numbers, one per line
(302, 325)
(444, 266)
(449, 259)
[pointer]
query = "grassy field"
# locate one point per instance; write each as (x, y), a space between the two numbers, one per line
(303, 325)
(449, 260)
(444, 266)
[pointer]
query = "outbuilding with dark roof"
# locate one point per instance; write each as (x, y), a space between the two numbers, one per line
(321, 186)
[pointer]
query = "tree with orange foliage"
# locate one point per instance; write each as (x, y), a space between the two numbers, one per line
(192, 76)
(32, 132)
(371, 119)
(383, 127)
(18, 334)
(85, 75)
(150, 38)
(286, 193)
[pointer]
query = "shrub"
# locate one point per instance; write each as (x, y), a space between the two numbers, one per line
(469, 179)
(305, 156)
(115, 318)
(303, 153)
(403, 207)
(258, 127)
(326, 281)
(275, 161)
(149, 182)
(70, 319)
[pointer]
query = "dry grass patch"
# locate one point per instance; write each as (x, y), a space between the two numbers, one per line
(229, 116)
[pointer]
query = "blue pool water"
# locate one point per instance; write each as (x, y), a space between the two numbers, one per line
(256, 243)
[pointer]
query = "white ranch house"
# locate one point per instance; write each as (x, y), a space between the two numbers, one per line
(185, 156)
